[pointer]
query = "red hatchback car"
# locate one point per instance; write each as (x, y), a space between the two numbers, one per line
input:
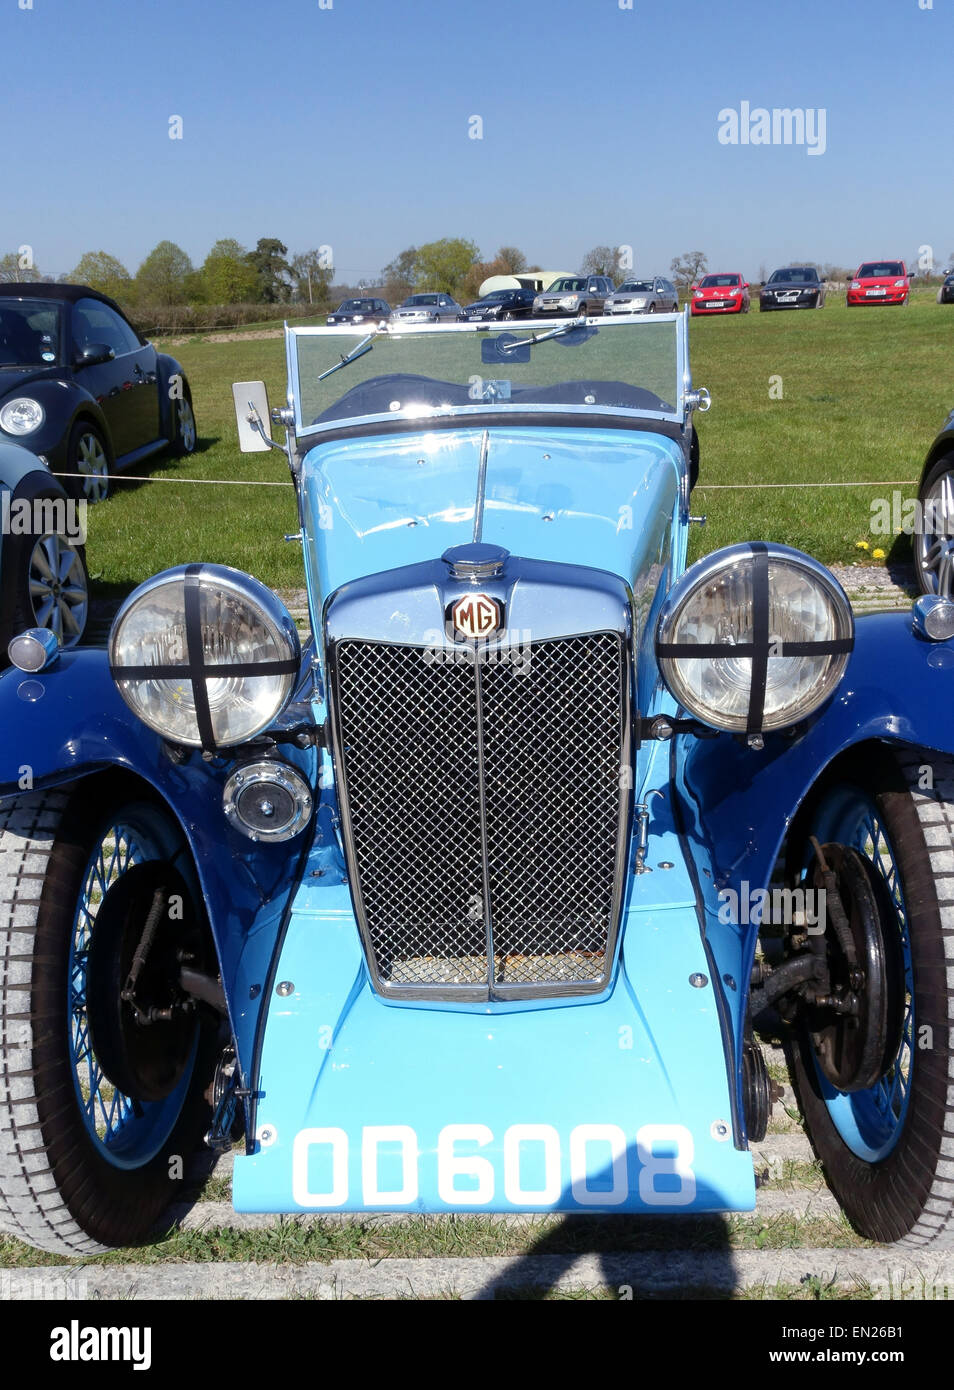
(721, 294)
(879, 282)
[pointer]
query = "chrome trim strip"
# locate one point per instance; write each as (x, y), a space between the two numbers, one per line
(481, 484)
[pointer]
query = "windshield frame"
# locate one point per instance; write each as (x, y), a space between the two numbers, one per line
(587, 413)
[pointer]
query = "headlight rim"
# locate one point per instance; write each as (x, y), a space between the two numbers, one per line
(11, 405)
(277, 622)
(702, 573)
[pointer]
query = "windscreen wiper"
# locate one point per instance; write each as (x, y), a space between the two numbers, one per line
(535, 338)
(364, 346)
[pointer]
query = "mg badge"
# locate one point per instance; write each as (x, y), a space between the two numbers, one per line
(477, 615)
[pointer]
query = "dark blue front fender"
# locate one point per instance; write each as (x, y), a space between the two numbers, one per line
(70, 722)
(738, 801)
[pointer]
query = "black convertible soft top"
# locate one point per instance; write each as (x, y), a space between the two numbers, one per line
(41, 289)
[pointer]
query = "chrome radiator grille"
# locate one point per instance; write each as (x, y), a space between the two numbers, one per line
(483, 813)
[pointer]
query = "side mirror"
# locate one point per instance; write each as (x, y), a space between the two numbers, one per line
(693, 288)
(95, 353)
(252, 416)
(746, 285)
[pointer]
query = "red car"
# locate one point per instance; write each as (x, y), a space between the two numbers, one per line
(879, 282)
(721, 294)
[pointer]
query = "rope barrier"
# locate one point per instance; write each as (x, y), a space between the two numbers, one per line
(207, 482)
(756, 487)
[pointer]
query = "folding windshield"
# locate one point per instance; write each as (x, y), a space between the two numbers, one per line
(634, 366)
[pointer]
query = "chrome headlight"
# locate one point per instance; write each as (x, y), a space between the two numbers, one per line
(205, 655)
(754, 637)
(22, 415)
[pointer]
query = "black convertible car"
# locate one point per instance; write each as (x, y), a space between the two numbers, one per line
(81, 389)
(502, 304)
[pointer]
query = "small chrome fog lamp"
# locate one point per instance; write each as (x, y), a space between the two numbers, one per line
(933, 617)
(267, 800)
(33, 650)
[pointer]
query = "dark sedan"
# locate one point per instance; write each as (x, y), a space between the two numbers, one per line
(795, 287)
(502, 304)
(945, 294)
(80, 388)
(360, 311)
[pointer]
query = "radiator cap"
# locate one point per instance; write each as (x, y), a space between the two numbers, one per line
(477, 560)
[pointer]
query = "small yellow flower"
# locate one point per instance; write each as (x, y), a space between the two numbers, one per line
(861, 545)
(878, 554)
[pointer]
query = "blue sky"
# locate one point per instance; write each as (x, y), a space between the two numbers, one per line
(349, 127)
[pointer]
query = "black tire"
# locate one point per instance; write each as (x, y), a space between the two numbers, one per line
(88, 463)
(185, 435)
(934, 548)
(905, 1193)
(506, 315)
(59, 1191)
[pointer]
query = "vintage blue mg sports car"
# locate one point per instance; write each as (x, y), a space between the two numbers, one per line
(457, 908)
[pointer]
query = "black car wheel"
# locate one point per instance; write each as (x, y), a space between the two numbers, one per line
(185, 437)
(98, 1113)
(934, 541)
(87, 462)
(506, 315)
(874, 1081)
(52, 587)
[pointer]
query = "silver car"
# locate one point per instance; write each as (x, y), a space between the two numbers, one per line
(427, 308)
(572, 295)
(656, 296)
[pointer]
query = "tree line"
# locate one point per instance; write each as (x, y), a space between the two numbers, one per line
(268, 275)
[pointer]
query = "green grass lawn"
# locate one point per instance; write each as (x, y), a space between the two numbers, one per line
(863, 392)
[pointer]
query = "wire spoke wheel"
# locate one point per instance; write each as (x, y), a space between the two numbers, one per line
(126, 1130)
(869, 1121)
(875, 1080)
(116, 1056)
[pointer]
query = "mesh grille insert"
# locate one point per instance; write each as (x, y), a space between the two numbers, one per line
(544, 787)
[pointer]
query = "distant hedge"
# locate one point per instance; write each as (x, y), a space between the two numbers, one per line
(200, 318)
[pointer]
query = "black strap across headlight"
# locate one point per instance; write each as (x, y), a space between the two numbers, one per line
(761, 647)
(196, 670)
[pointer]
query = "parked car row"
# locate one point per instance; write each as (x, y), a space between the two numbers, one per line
(568, 297)
(801, 287)
(717, 293)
